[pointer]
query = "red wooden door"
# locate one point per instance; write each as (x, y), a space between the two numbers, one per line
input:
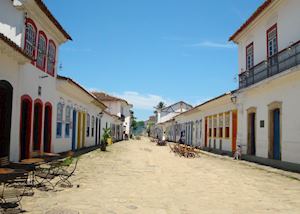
(234, 130)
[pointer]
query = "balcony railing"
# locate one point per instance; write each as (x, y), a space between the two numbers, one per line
(276, 64)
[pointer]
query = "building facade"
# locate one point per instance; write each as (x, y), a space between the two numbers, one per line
(119, 107)
(30, 26)
(40, 111)
(164, 118)
(210, 125)
(269, 81)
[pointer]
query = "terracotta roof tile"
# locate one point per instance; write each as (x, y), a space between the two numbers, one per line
(258, 11)
(106, 97)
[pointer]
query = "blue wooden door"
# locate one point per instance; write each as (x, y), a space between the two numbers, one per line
(252, 137)
(74, 130)
(96, 135)
(276, 146)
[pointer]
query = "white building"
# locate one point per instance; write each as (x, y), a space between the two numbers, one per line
(39, 110)
(28, 28)
(165, 116)
(269, 81)
(210, 125)
(171, 111)
(119, 107)
(79, 117)
(114, 123)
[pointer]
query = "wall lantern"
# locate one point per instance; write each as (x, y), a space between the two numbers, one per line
(233, 99)
(39, 91)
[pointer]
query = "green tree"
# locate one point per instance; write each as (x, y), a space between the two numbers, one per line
(133, 120)
(160, 105)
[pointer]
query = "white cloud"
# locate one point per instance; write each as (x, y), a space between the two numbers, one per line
(209, 44)
(142, 101)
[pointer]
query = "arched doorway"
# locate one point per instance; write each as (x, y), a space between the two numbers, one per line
(47, 127)
(6, 92)
(37, 125)
(25, 126)
(275, 130)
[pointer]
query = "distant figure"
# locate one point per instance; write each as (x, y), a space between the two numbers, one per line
(181, 139)
(164, 136)
(238, 153)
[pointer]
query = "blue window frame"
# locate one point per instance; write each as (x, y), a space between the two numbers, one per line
(68, 122)
(59, 117)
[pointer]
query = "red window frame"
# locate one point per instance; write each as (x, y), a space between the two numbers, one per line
(268, 31)
(249, 46)
(42, 34)
(51, 72)
(31, 22)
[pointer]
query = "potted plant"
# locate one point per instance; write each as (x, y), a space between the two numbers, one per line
(106, 136)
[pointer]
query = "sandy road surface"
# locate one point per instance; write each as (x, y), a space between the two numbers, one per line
(139, 177)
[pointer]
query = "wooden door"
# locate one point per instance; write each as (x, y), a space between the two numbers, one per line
(205, 134)
(276, 133)
(6, 92)
(74, 122)
(79, 131)
(47, 128)
(25, 127)
(234, 130)
(96, 135)
(83, 129)
(37, 126)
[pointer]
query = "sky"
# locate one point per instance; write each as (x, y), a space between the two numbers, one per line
(147, 51)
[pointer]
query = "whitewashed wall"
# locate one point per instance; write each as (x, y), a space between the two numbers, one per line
(192, 117)
(286, 14)
(286, 90)
(9, 71)
(11, 21)
(216, 110)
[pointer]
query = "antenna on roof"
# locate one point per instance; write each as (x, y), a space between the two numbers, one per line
(60, 67)
(235, 78)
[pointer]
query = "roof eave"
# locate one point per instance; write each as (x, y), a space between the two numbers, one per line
(250, 20)
(95, 100)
